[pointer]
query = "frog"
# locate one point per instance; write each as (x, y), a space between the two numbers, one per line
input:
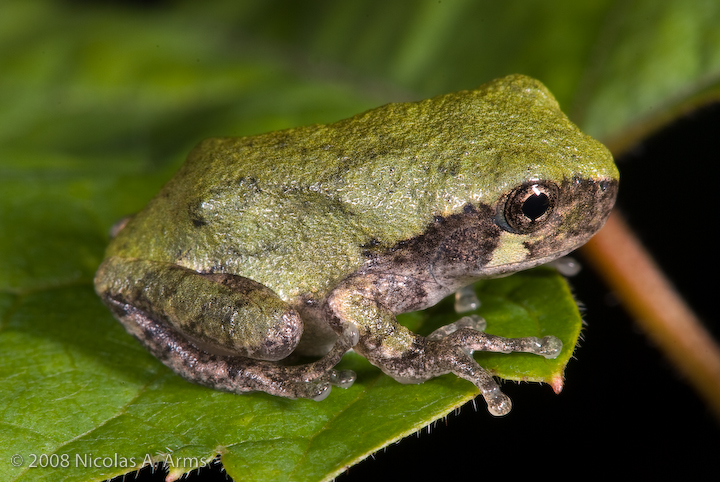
(266, 258)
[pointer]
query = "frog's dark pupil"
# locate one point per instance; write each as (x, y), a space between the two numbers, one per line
(535, 206)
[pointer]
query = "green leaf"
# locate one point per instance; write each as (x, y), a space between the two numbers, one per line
(72, 383)
(99, 105)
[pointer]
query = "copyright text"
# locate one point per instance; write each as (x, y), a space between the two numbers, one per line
(103, 461)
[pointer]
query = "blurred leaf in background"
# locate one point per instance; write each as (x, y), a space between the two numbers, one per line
(99, 104)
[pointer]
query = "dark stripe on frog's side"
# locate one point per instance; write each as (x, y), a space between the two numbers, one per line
(461, 237)
(411, 274)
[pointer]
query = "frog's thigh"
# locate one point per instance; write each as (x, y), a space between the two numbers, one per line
(219, 313)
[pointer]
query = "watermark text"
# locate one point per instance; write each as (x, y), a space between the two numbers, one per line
(63, 461)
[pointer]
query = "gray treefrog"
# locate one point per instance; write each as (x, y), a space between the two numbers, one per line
(311, 240)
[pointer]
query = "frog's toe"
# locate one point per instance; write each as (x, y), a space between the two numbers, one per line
(338, 378)
(549, 347)
(321, 391)
(466, 300)
(473, 322)
(342, 378)
(498, 403)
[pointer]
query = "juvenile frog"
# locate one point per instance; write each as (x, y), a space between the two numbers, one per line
(311, 240)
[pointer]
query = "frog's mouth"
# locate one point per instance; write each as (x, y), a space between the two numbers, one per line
(500, 271)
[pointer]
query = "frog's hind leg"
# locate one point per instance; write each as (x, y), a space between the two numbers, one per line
(234, 374)
(197, 324)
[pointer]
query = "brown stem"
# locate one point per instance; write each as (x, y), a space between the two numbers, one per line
(626, 266)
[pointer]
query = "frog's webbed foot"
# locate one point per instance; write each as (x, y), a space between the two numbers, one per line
(452, 352)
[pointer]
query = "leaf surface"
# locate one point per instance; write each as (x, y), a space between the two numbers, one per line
(100, 108)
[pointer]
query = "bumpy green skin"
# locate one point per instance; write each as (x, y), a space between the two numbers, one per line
(327, 219)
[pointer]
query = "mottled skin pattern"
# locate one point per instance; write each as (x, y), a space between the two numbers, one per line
(311, 240)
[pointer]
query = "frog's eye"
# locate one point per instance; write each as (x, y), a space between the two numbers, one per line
(529, 206)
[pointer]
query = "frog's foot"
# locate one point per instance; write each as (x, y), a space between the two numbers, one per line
(312, 380)
(453, 353)
(466, 299)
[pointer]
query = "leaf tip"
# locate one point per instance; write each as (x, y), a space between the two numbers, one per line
(557, 382)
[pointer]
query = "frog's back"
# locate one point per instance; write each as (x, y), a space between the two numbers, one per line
(310, 202)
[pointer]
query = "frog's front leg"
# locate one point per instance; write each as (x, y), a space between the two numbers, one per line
(411, 358)
(219, 330)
